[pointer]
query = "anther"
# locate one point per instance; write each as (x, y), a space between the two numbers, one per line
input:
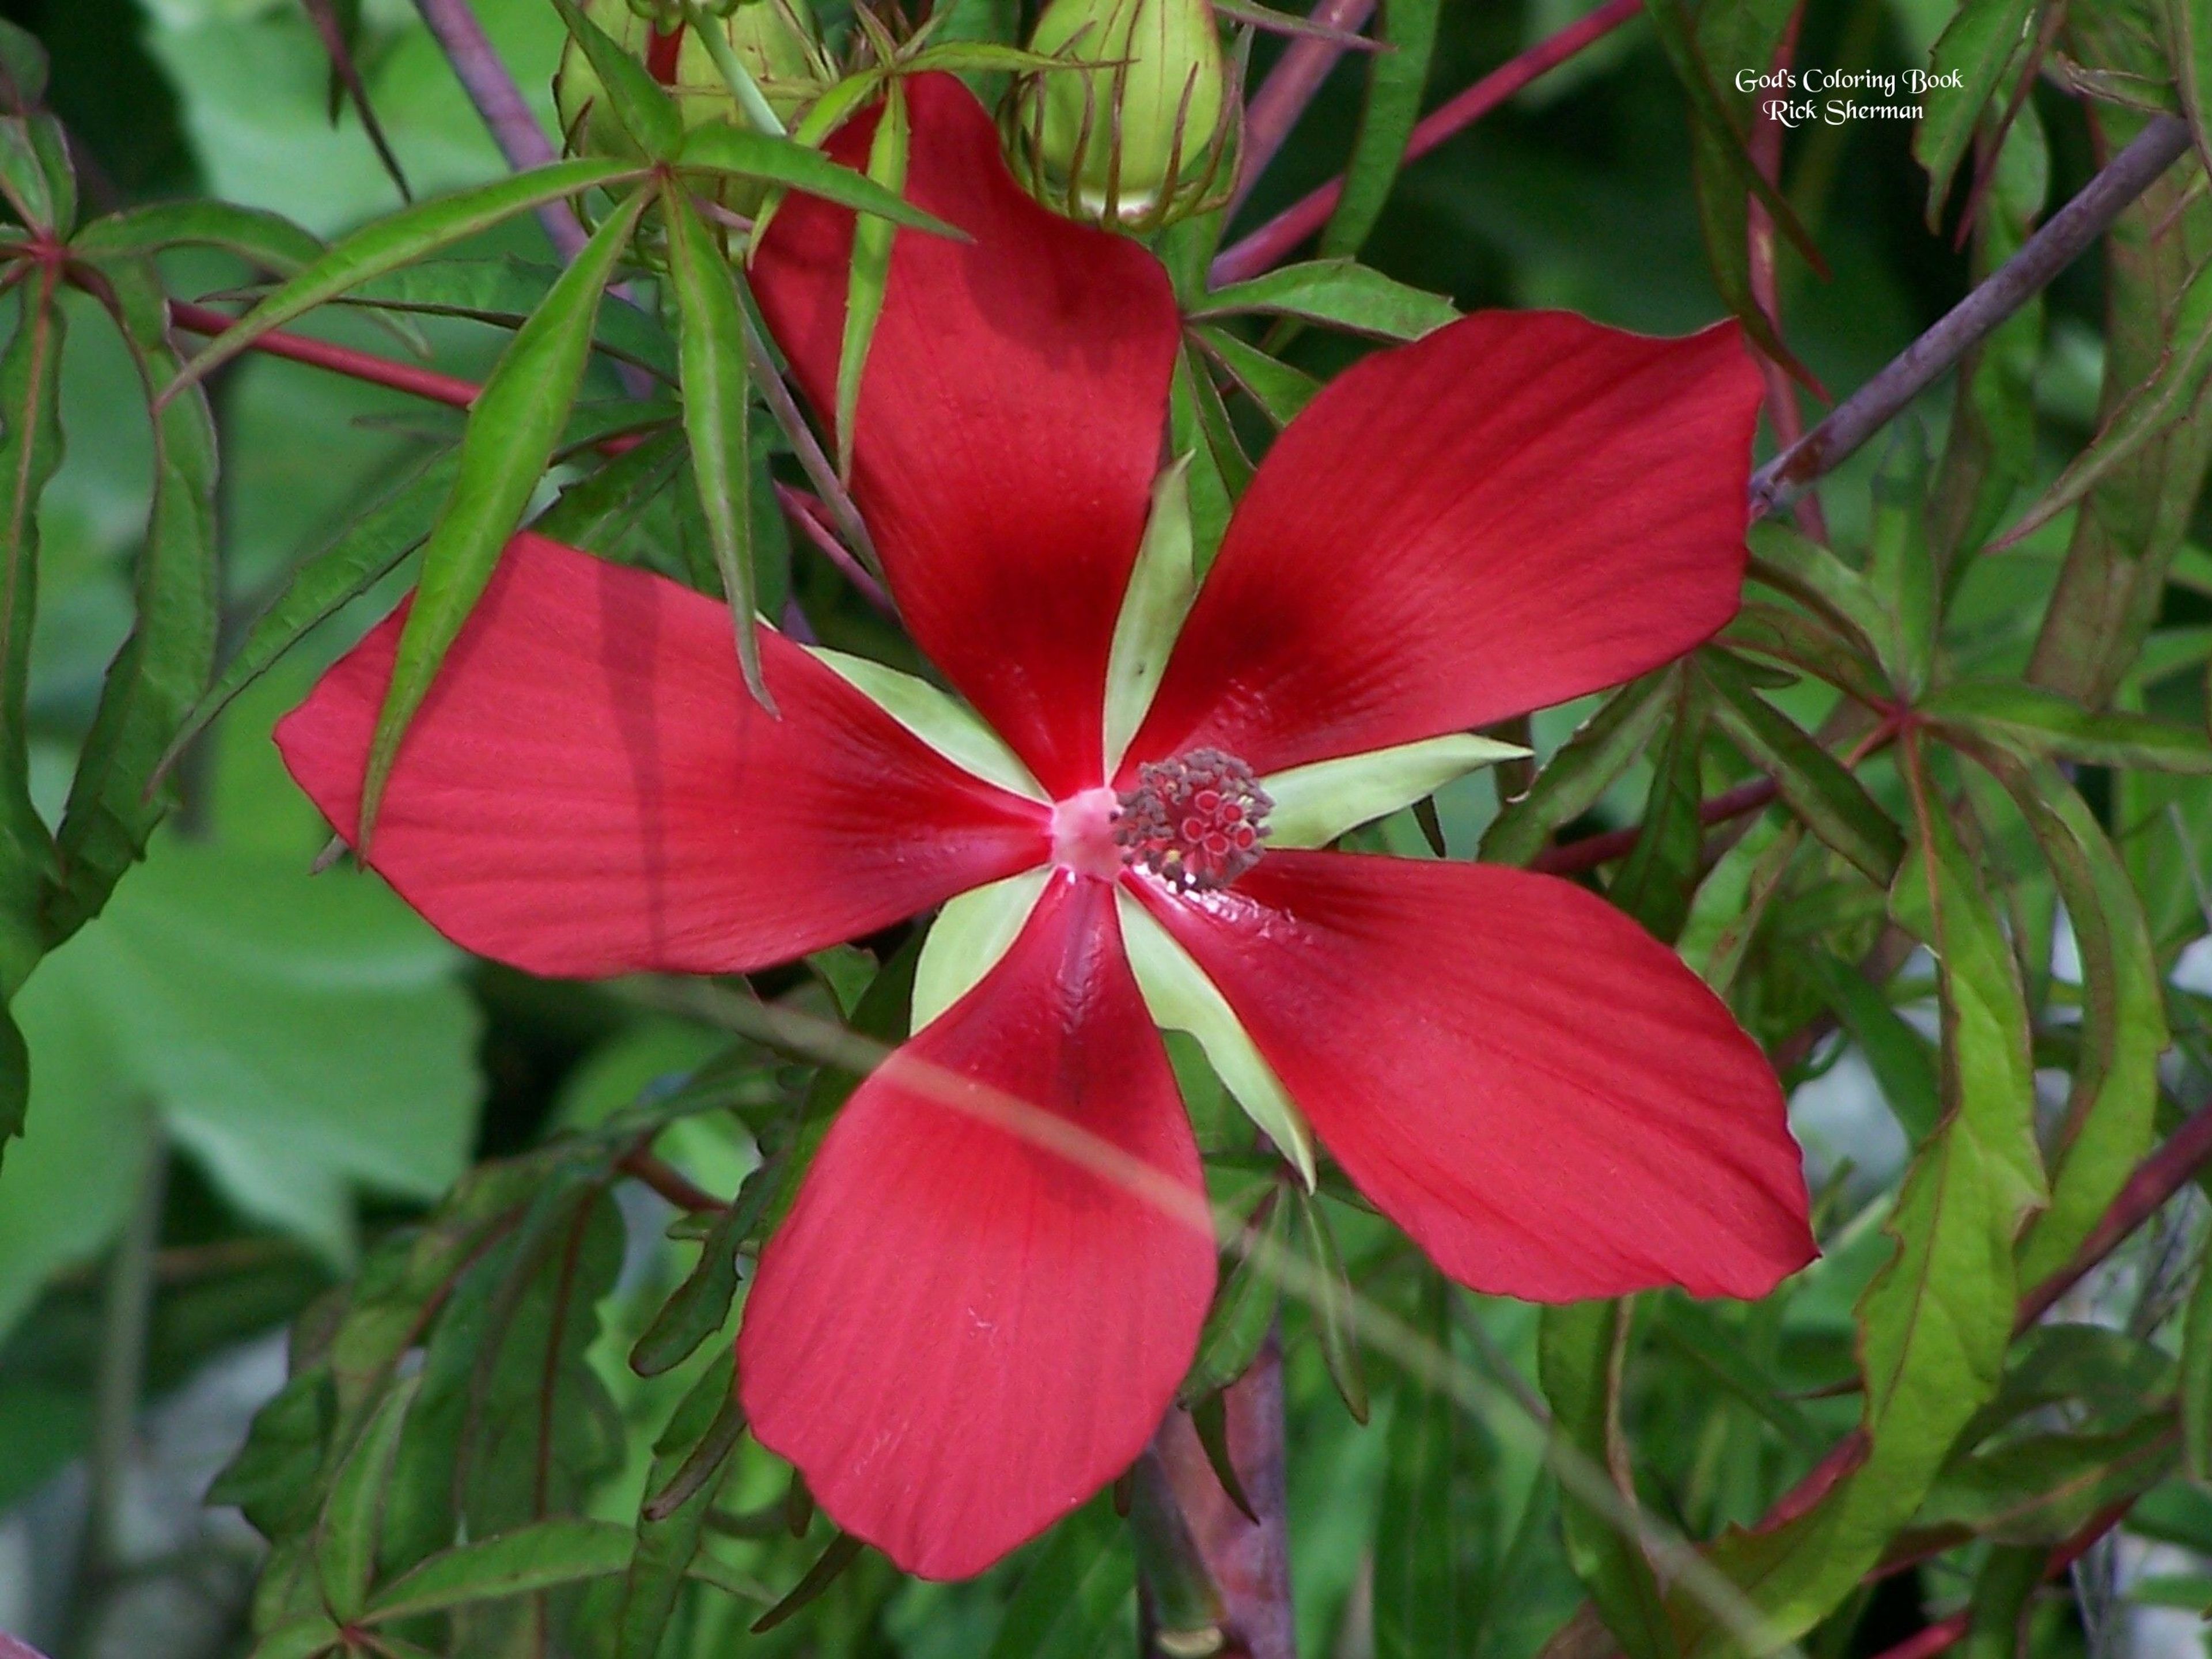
(1196, 822)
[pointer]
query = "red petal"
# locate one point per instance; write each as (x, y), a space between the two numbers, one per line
(1528, 1083)
(589, 788)
(960, 1333)
(1009, 422)
(1520, 508)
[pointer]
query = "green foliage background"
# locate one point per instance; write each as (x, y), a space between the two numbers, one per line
(262, 1098)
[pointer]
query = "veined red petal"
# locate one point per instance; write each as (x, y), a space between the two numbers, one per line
(1009, 422)
(1532, 1086)
(1522, 508)
(994, 1276)
(590, 789)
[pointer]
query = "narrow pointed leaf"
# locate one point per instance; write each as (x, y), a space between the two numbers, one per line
(1243, 1311)
(2033, 721)
(1335, 1304)
(1395, 81)
(717, 404)
(1982, 37)
(1814, 785)
(165, 666)
(1279, 390)
(352, 1521)
(1340, 293)
(403, 238)
(701, 1305)
(369, 549)
(30, 454)
(668, 1545)
(2111, 1109)
(1575, 778)
(844, 1551)
(510, 439)
(262, 239)
(2197, 1377)
(1421, 1589)
(749, 155)
(331, 30)
(645, 108)
(541, 1556)
(872, 263)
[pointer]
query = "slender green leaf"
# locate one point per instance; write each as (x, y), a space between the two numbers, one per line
(1935, 1322)
(844, 1551)
(2195, 1394)
(717, 403)
(2189, 49)
(597, 511)
(1335, 1304)
(668, 1543)
(1279, 390)
(366, 551)
(1341, 292)
(2111, 1107)
(1243, 1311)
(352, 1522)
(165, 664)
(1661, 872)
(1588, 765)
(1981, 38)
(871, 267)
(1809, 643)
(1901, 570)
(267, 240)
(646, 110)
(1814, 785)
(539, 1557)
(2146, 413)
(30, 454)
(701, 1305)
(503, 292)
(2042, 1488)
(510, 439)
(787, 161)
(2034, 722)
(1786, 559)
(402, 239)
(1395, 81)
(1581, 1354)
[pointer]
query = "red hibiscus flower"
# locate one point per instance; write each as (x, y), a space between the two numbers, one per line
(959, 1333)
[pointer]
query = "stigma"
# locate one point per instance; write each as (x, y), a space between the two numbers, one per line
(1196, 822)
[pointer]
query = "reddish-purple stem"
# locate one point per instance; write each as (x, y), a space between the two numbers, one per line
(1267, 246)
(1249, 1562)
(483, 75)
(809, 514)
(1297, 76)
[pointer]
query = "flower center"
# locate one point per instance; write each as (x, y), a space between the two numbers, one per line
(1195, 822)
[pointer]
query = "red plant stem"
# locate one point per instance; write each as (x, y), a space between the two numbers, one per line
(1577, 856)
(482, 75)
(427, 383)
(670, 1183)
(811, 517)
(1946, 1633)
(1268, 245)
(1297, 76)
(2155, 1180)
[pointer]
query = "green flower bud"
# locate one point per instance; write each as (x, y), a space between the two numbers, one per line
(1141, 133)
(773, 40)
